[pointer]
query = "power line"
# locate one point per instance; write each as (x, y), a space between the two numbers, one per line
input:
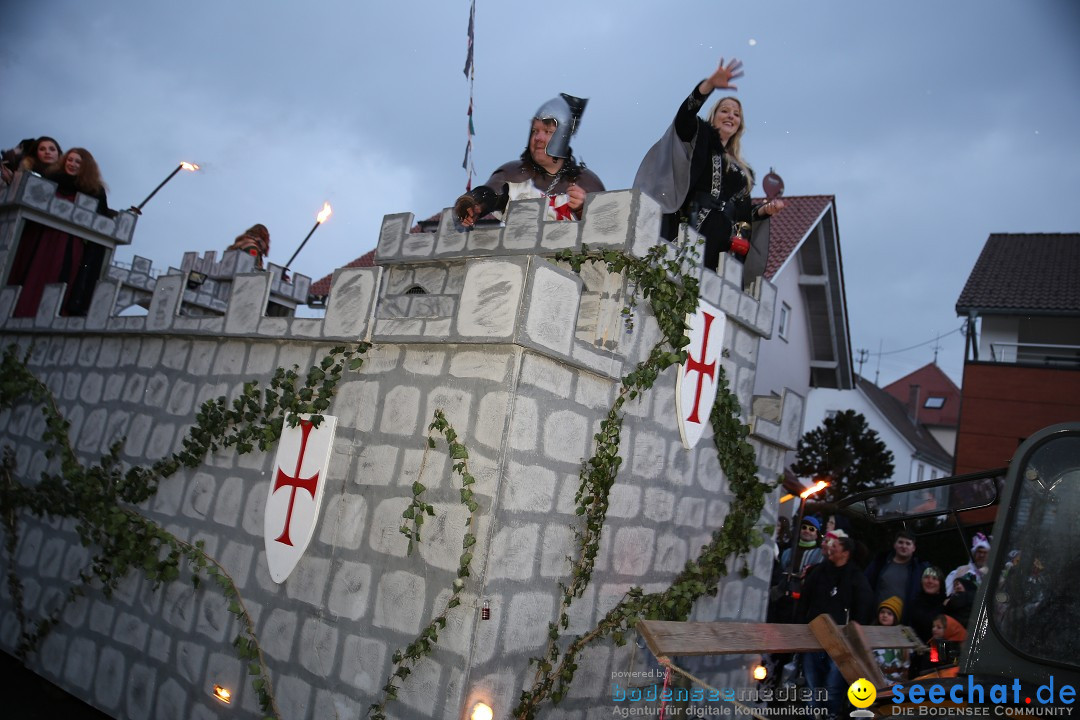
(934, 339)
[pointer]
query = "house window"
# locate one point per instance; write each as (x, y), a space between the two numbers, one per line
(785, 319)
(922, 472)
(934, 402)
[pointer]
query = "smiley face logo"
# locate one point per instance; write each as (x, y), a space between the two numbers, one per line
(861, 693)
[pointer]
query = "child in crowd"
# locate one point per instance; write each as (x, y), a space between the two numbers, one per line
(894, 662)
(948, 628)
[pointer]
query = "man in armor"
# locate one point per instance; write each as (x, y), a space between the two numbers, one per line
(546, 169)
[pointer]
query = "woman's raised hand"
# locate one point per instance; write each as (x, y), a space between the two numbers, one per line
(724, 74)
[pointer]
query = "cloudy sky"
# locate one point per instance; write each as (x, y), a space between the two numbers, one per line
(933, 123)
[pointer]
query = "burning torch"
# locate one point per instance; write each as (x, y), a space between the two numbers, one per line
(191, 167)
(319, 220)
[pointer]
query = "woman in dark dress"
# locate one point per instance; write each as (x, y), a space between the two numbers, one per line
(56, 256)
(697, 174)
(41, 155)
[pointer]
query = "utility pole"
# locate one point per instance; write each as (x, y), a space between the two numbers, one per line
(877, 373)
(863, 356)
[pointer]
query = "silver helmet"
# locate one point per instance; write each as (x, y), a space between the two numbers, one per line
(565, 111)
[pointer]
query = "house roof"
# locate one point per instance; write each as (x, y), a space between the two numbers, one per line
(893, 411)
(789, 228)
(1025, 273)
(805, 239)
(932, 382)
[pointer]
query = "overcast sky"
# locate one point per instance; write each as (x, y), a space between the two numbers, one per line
(933, 123)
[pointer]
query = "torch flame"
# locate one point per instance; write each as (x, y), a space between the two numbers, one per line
(189, 166)
(324, 213)
(814, 489)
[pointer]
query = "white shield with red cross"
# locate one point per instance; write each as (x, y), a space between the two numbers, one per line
(695, 388)
(296, 491)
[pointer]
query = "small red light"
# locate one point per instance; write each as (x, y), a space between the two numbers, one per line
(934, 657)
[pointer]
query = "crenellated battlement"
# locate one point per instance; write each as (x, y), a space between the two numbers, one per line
(488, 285)
(495, 284)
(32, 197)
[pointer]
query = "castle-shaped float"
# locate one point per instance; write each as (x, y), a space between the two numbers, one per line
(523, 355)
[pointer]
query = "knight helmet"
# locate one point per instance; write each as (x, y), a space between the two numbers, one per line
(565, 111)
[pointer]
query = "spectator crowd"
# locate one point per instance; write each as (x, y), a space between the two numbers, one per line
(825, 570)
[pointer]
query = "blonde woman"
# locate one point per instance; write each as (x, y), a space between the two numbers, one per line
(697, 174)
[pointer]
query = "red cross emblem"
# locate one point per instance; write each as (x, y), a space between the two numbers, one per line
(703, 369)
(295, 495)
(562, 212)
(695, 388)
(296, 482)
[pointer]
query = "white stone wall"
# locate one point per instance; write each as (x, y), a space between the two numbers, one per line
(518, 354)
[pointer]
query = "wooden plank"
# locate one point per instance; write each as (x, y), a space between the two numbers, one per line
(669, 638)
(857, 639)
(836, 644)
(900, 636)
(853, 659)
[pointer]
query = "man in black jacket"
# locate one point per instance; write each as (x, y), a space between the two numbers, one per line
(898, 572)
(836, 588)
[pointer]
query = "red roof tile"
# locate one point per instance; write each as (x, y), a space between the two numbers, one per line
(788, 228)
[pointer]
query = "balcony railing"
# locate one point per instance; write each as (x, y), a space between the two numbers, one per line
(1035, 354)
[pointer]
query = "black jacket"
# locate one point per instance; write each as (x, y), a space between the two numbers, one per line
(841, 592)
(920, 614)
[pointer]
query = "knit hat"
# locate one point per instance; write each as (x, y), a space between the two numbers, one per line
(836, 533)
(811, 520)
(894, 604)
(968, 582)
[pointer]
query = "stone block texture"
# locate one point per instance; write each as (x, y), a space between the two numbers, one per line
(524, 357)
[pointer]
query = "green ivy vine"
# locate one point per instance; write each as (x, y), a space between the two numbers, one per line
(102, 497)
(672, 295)
(425, 642)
